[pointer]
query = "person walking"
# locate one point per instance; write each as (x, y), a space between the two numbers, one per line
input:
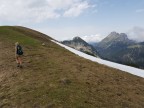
(18, 54)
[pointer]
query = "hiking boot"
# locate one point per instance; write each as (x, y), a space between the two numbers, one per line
(21, 66)
(18, 65)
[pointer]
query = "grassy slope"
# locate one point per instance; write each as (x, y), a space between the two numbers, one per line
(56, 78)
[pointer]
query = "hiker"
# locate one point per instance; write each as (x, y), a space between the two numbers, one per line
(18, 54)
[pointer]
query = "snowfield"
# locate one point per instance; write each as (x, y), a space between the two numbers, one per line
(129, 69)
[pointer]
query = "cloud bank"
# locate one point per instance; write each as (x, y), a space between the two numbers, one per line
(93, 38)
(137, 34)
(40, 10)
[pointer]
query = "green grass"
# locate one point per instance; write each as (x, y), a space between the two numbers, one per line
(9, 34)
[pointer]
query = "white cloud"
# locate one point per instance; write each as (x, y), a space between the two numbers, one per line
(76, 10)
(40, 10)
(93, 38)
(137, 34)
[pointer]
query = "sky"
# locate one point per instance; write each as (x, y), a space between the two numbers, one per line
(92, 20)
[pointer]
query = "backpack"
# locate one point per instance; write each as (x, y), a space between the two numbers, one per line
(19, 50)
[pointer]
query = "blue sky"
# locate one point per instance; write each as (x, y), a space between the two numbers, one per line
(64, 19)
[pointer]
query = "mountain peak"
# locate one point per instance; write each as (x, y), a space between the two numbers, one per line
(119, 36)
(114, 39)
(113, 34)
(78, 38)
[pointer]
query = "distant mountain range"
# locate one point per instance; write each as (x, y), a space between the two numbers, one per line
(115, 47)
(79, 44)
(118, 48)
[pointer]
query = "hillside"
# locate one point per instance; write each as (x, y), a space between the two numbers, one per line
(53, 77)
